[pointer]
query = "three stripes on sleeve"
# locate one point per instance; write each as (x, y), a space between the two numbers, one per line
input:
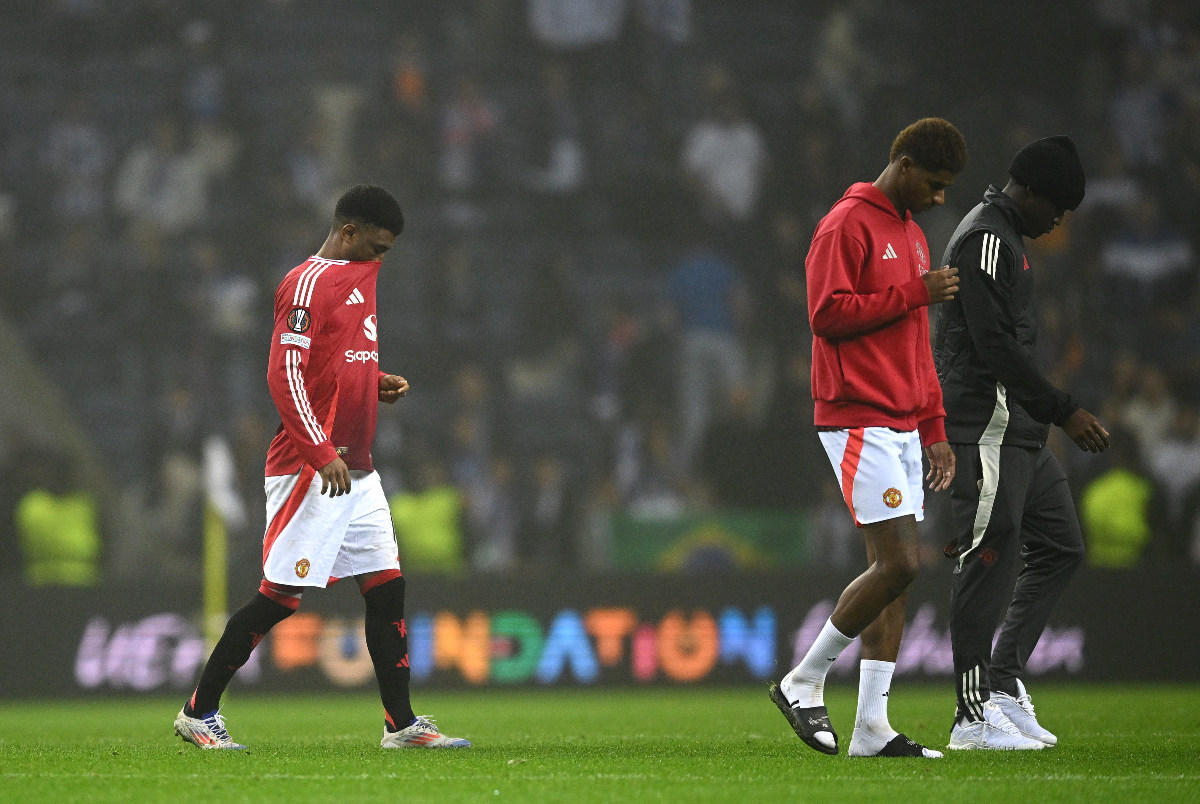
(294, 358)
(991, 254)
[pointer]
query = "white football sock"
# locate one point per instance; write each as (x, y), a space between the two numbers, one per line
(874, 684)
(805, 685)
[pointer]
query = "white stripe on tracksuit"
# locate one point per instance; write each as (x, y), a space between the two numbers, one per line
(990, 254)
(989, 458)
(971, 695)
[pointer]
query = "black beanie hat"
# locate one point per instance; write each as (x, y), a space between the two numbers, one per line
(1051, 168)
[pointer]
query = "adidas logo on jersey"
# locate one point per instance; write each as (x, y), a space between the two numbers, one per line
(355, 298)
(889, 253)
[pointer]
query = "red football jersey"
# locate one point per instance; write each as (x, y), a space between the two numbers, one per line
(324, 370)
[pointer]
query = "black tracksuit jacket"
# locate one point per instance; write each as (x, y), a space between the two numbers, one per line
(984, 339)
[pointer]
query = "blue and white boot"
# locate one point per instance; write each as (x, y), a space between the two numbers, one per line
(421, 733)
(206, 732)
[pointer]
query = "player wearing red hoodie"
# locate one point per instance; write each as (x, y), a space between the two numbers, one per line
(878, 401)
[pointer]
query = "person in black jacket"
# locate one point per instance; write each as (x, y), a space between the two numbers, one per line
(1010, 501)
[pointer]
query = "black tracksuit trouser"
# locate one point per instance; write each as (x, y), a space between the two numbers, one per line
(1010, 507)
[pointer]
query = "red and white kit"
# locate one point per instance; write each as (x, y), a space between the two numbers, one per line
(875, 389)
(879, 471)
(324, 378)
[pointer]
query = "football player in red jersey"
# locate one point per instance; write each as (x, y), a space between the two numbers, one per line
(877, 403)
(327, 515)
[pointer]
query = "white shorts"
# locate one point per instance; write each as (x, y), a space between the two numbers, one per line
(879, 471)
(314, 539)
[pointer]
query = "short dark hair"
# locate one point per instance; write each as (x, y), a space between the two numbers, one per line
(372, 205)
(934, 144)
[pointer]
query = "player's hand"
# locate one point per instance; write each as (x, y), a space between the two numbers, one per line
(335, 478)
(1085, 430)
(941, 466)
(942, 284)
(392, 387)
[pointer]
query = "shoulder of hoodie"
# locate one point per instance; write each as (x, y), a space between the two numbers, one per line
(853, 216)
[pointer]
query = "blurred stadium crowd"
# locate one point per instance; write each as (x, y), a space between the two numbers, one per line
(599, 297)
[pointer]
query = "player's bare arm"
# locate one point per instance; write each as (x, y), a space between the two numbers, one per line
(1085, 430)
(392, 387)
(942, 284)
(941, 466)
(335, 478)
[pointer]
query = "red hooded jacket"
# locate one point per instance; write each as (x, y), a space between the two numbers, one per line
(872, 362)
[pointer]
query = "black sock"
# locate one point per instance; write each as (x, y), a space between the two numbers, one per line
(387, 641)
(245, 629)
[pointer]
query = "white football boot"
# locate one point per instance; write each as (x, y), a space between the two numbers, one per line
(206, 732)
(994, 733)
(1020, 711)
(421, 733)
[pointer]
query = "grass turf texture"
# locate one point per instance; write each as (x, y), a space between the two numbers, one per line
(1118, 743)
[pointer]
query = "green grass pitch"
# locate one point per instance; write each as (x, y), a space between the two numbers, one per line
(1118, 743)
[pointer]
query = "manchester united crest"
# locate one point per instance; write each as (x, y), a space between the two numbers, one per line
(892, 498)
(298, 320)
(302, 567)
